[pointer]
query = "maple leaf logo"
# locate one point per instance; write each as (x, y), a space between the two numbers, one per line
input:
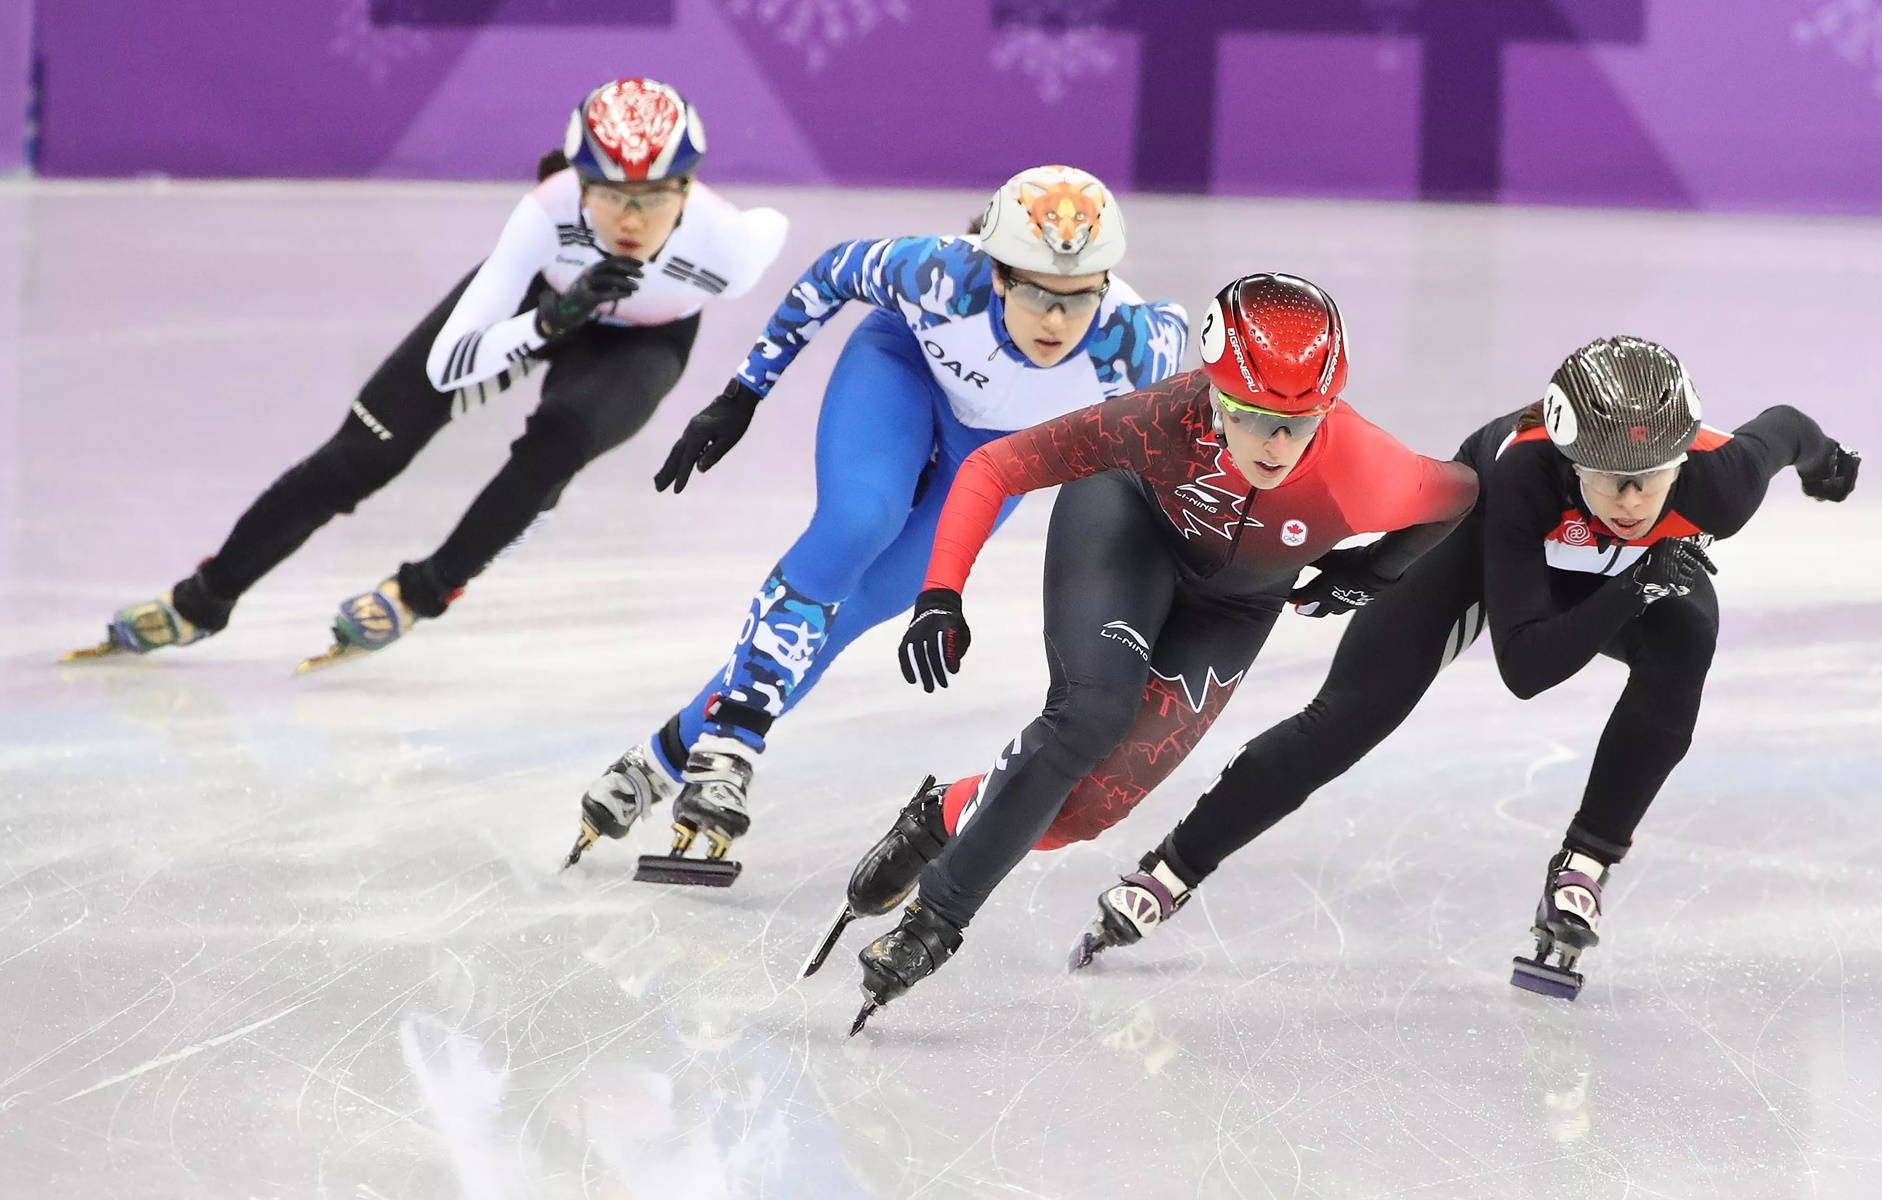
(1210, 502)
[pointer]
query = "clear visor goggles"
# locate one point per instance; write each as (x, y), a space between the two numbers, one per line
(1265, 423)
(619, 201)
(1043, 300)
(1612, 483)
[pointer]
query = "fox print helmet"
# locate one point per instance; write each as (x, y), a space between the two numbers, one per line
(1054, 220)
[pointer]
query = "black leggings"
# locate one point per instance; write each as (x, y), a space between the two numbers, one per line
(1389, 657)
(603, 383)
(1127, 640)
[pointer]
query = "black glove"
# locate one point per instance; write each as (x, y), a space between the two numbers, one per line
(615, 277)
(713, 430)
(1832, 476)
(1668, 569)
(936, 640)
(1346, 581)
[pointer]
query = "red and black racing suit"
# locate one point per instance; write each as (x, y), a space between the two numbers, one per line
(1549, 575)
(1164, 571)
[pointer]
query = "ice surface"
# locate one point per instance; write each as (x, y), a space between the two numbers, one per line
(277, 937)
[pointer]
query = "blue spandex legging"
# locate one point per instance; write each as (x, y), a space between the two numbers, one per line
(888, 447)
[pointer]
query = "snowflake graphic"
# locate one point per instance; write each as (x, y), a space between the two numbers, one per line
(1054, 43)
(1057, 42)
(1853, 28)
(375, 49)
(819, 26)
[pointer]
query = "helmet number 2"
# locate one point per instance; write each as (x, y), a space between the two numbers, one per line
(1210, 337)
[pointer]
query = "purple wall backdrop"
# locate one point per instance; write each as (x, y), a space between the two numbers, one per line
(1761, 104)
(16, 40)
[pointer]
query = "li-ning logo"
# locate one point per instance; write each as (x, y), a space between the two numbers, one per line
(1191, 493)
(1220, 510)
(1120, 631)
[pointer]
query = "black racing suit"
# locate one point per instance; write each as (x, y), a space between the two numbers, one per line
(1533, 558)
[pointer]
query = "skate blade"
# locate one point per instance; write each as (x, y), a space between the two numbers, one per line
(585, 839)
(104, 649)
(678, 869)
(862, 1018)
(1089, 944)
(335, 653)
(829, 942)
(1544, 980)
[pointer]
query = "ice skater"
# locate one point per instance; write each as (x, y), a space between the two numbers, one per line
(972, 338)
(1187, 512)
(600, 272)
(1587, 539)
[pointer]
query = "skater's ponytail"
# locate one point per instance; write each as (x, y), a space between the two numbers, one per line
(550, 163)
(1530, 417)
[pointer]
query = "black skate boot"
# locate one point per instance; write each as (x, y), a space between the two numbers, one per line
(1138, 903)
(1568, 921)
(888, 872)
(903, 957)
(635, 783)
(712, 801)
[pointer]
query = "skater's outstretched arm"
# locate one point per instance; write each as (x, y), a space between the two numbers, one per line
(1119, 434)
(925, 279)
(1727, 485)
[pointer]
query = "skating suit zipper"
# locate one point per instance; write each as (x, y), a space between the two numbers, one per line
(1235, 543)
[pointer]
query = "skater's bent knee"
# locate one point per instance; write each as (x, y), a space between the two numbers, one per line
(1089, 721)
(857, 526)
(554, 446)
(341, 474)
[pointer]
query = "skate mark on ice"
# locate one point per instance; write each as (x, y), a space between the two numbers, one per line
(167, 988)
(1745, 1065)
(73, 924)
(187, 1051)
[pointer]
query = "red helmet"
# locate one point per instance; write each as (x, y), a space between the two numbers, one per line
(1275, 342)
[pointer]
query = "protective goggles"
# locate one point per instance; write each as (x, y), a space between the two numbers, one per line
(1612, 483)
(619, 202)
(1264, 423)
(1043, 300)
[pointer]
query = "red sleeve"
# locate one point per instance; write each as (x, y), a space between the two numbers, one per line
(1136, 432)
(1384, 485)
(986, 479)
(1446, 490)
